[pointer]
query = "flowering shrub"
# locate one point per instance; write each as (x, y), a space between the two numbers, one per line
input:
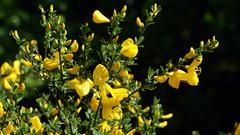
(85, 85)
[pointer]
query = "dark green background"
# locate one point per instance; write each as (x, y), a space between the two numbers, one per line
(211, 107)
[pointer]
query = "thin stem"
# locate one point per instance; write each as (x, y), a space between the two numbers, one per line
(60, 59)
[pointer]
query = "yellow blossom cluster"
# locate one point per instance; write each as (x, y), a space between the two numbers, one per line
(11, 75)
(189, 74)
(80, 93)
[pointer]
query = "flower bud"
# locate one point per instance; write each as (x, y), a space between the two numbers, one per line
(98, 17)
(139, 22)
(161, 78)
(162, 124)
(74, 46)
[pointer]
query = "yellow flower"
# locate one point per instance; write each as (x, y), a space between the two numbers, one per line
(72, 83)
(190, 54)
(124, 9)
(13, 77)
(136, 94)
(78, 110)
(167, 116)
(123, 73)
(129, 49)
(196, 62)
(117, 113)
(68, 57)
(140, 121)
(5, 68)
(109, 102)
(90, 37)
(161, 78)
(177, 76)
(192, 77)
(104, 127)
(73, 70)
(100, 75)
(74, 46)
(98, 17)
(162, 124)
(116, 66)
(174, 82)
(77, 102)
(114, 13)
(16, 67)
(84, 88)
(146, 109)
(27, 63)
(6, 84)
(139, 22)
(36, 124)
(54, 111)
(116, 83)
(94, 102)
(50, 64)
(22, 87)
(1, 109)
(7, 130)
(131, 109)
(37, 57)
(56, 56)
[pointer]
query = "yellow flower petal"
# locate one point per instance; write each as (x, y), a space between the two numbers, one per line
(6, 84)
(190, 54)
(22, 87)
(13, 77)
(196, 62)
(36, 123)
(116, 66)
(98, 17)
(56, 56)
(139, 22)
(16, 67)
(119, 93)
(123, 73)
(162, 124)
(27, 63)
(1, 109)
(37, 57)
(100, 75)
(94, 102)
(68, 57)
(116, 113)
(73, 70)
(173, 81)
(181, 75)
(7, 130)
(5, 68)
(74, 46)
(129, 49)
(54, 111)
(72, 83)
(140, 121)
(50, 64)
(161, 78)
(84, 88)
(192, 77)
(167, 116)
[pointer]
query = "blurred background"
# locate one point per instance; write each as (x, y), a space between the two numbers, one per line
(210, 108)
